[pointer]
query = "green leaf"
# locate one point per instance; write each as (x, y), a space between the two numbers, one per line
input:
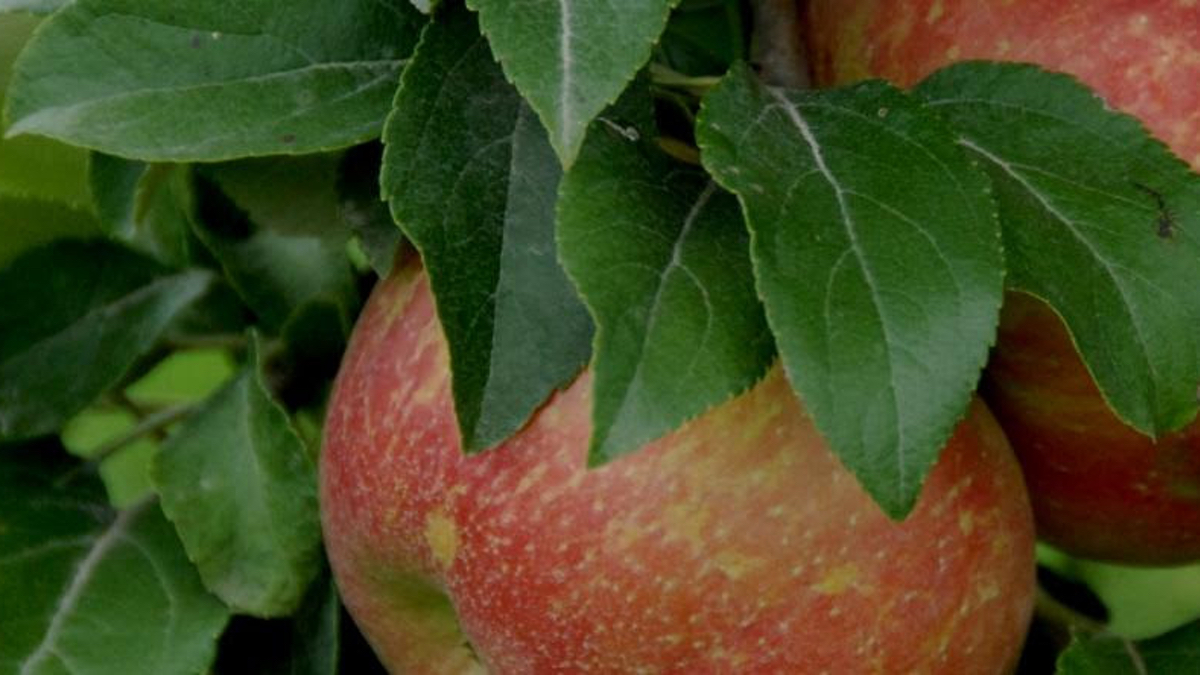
(1175, 653)
(144, 205)
(425, 6)
(75, 317)
(307, 643)
(363, 209)
(35, 167)
(245, 78)
(1099, 219)
(237, 482)
(290, 195)
(32, 6)
(704, 37)
(877, 254)
(570, 59)
(662, 258)
(470, 176)
(275, 272)
(90, 590)
(26, 223)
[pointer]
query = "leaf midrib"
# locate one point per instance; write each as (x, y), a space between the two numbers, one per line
(793, 114)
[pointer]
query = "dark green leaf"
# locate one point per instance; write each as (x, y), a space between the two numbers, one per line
(144, 205)
(1099, 219)
(570, 59)
(471, 177)
(290, 195)
(275, 272)
(704, 37)
(90, 590)
(237, 482)
(363, 209)
(244, 78)
(877, 254)
(662, 259)
(75, 317)
(307, 643)
(1175, 653)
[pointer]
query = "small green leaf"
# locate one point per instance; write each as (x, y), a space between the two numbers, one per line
(877, 254)
(569, 58)
(470, 176)
(237, 482)
(662, 258)
(75, 317)
(90, 590)
(275, 272)
(1175, 653)
(144, 205)
(1099, 219)
(245, 78)
(704, 37)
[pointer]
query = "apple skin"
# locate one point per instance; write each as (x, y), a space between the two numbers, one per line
(736, 544)
(1099, 488)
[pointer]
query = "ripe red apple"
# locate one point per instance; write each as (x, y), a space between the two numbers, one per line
(736, 544)
(1099, 488)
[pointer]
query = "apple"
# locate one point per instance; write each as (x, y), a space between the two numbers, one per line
(736, 544)
(1099, 488)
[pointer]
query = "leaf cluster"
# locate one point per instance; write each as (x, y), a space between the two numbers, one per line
(608, 186)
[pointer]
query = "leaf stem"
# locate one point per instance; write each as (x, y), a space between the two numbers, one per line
(1049, 609)
(154, 423)
(668, 77)
(230, 341)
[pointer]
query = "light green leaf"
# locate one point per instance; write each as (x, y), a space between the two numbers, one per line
(571, 58)
(237, 482)
(35, 168)
(245, 78)
(144, 205)
(32, 6)
(75, 317)
(470, 176)
(1099, 219)
(90, 590)
(1175, 653)
(662, 258)
(877, 254)
(26, 223)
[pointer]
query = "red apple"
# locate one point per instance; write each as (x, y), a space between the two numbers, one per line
(736, 544)
(1099, 488)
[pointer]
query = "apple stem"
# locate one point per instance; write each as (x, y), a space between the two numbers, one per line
(777, 46)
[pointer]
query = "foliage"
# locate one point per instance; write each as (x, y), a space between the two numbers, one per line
(593, 184)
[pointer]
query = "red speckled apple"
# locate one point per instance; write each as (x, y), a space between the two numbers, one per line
(1099, 488)
(737, 544)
